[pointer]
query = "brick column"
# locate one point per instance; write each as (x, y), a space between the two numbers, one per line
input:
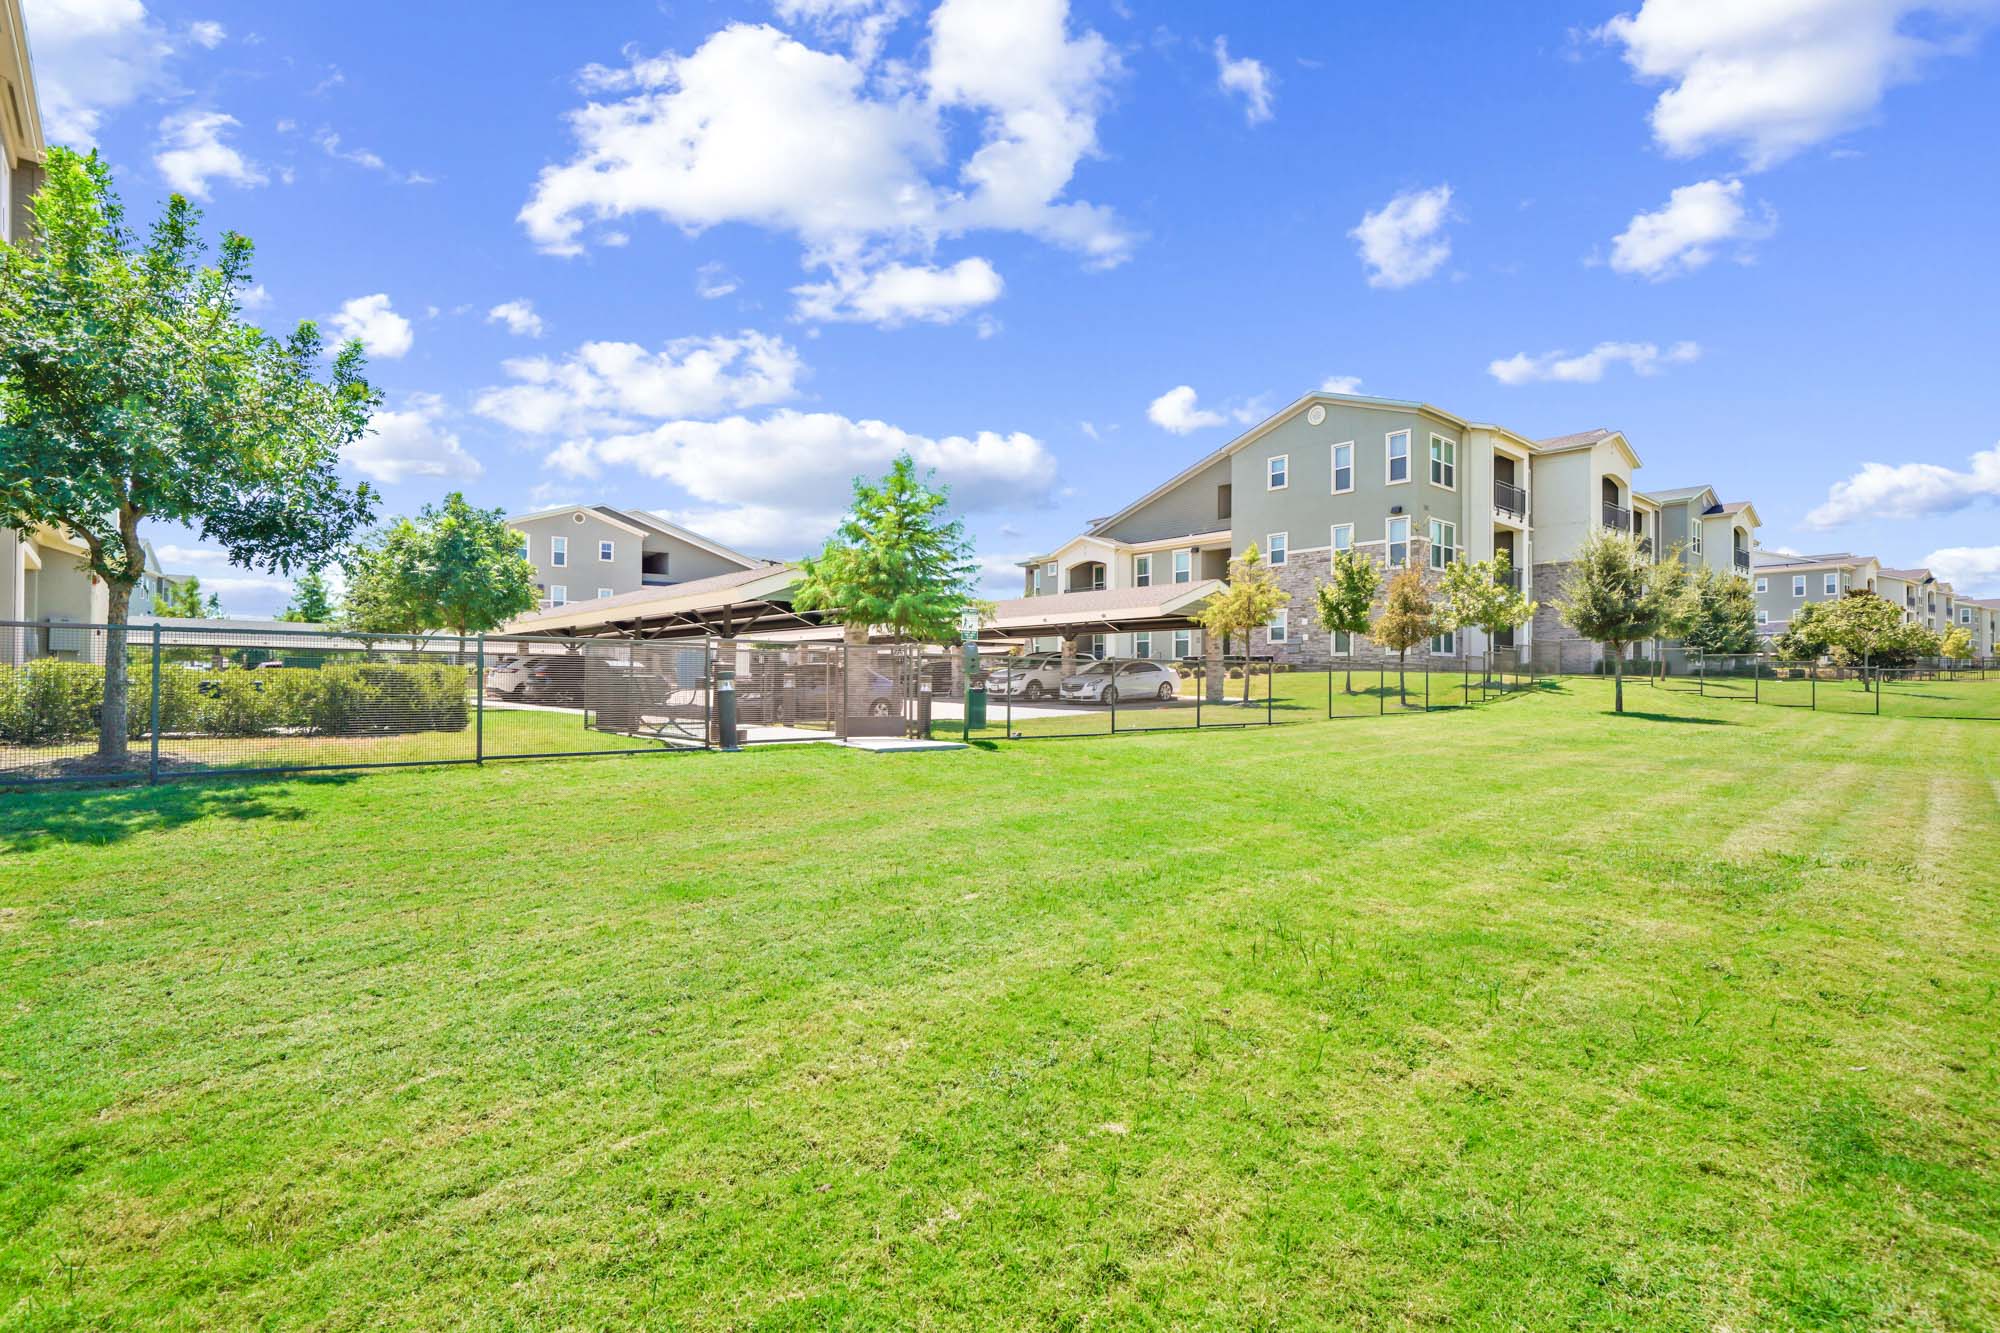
(1213, 669)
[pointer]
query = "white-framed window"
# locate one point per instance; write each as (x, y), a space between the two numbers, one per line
(1277, 470)
(1343, 536)
(1049, 571)
(1343, 643)
(1444, 463)
(1142, 571)
(1964, 615)
(1280, 626)
(1445, 644)
(1183, 566)
(1183, 643)
(558, 594)
(527, 548)
(1832, 585)
(1763, 616)
(1396, 463)
(1277, 546)
(1763, 584)
(558, 551)
(1398, 534)
(1798, 585)
(1343, 468)
(1694, 538)
(607, 551)
(1444, 543)
(1142, 644)
(604, 592)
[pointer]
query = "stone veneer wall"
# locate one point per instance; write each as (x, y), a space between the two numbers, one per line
(1307, 645)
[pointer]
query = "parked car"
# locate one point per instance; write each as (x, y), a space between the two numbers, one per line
(508, 678)
(1030, 677)
(1113, 680)
(808, 696)
(553, 678)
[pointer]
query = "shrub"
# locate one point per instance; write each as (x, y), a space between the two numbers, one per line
(49, 701)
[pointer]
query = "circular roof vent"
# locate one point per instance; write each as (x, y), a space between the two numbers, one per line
(1315, 414)
(577, 517)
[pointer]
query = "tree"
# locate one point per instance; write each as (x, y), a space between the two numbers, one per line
(1408, 618)
(454, 567)
(1615, 596)
(184, 601)
(1957, 643)
(1248, 602)
(1860, 630)
(131, 390)
(894, 561)
(1805, 638)
(1718, 615)
(1479, 593)
(312, 600)
(1346, 602)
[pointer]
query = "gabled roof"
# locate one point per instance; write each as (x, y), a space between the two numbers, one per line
(1762, 560)
(677, 605)
(20, 117)
(1587, 439)
(1112, 609)
(1680, 493)
(639, 522)
(1908, 575)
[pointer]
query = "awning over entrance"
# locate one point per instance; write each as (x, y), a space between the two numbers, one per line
(746, 602)
(1106, 611)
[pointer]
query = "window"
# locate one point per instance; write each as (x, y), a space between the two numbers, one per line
(1445, 644)
(1049, 571)
(1444, 543)
(1142, 571)
(559, 551)
(1222, 500)
(607, 551)
(527, 547)
(1142, 645)
(1832, 585)
(1183, 566)
(1694, 539)
(558, 594)
(604, 592)
(1763, 584)
(1280, 625)
(1798, 585)
(1277, 545)
(1444, 463)
(1399, 542)
(1343, 468)
(1763, 616)
(1276, 468)
(1343, 536)
(1399, 457)
(1183, 643)
(1094, 647)
(1343, 643)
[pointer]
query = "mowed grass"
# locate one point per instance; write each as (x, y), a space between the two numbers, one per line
(1522, 1016)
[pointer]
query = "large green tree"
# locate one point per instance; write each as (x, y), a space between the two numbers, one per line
(132, 390)
(1717, 615)
(454, 567)
(1250, 601)
(1614, 595)
(312, 600)
(1346, 601)
(1956, 644)
(896, 561)
(1859, 630)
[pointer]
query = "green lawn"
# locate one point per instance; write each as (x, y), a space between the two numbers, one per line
(1519, 1016)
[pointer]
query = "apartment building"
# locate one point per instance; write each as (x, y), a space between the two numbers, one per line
(1980, 616)
(1708, 531)
(21, 145)
(1917, 591)
(1404, 481)
(581, 552)
(1784, 583)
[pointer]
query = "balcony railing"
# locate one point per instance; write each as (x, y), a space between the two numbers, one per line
(1646, 547)
(1510, 499)
(655, 580)
(1511, 579)
(1743, 563)
(1618, 520)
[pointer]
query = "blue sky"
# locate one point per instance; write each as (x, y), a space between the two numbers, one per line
(739, 252)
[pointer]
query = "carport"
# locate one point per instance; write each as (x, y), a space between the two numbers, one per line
(1070, 615)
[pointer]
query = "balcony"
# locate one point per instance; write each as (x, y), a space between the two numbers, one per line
(1743, 563)
(1511, 579)
(1510, 500)
(1617, 519)
(655, 580)
(1646, 547)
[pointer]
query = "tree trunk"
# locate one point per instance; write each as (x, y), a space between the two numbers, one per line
(111, 723)
(1618, 678)
(1402, 687)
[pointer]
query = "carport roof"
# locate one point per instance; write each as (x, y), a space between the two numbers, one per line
(1171, 606)
(735, 603)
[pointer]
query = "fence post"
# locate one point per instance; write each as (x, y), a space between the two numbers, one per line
(1270, 689)
(1878, 692)
(1701, 666)
(1382, 691)
(479, 700)
(1814, 696)
(1329, 689)
(1111, 690)
(153, 725)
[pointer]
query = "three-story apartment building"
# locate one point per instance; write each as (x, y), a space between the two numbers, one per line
(1784, 583)
(586, 551)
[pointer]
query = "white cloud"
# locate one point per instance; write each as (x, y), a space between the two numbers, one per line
(92, 58)
(897, 293)
(609, 387)
(519, 316)
(1403, 242)
(360, 157)
(1682, 237)
(1341, 384)
(714, 281)
(1776, 76)
(207, 33)
(253, 298)
(1589, 368)
(756, 127)
(1909, 490)
(1248, 78)
(862, 24)
(191, 153)
(411, 443)
(1973, 570)
(381, 330)
(1175, 412)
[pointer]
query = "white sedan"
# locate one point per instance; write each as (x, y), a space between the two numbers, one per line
(1030, 677)
(1115, 681)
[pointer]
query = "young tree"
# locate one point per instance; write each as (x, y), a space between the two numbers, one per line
(455, 567)
(1248, 603)
(894, 561)
(1719, 614)
(1863, 630)
(312, 600)
(185, 601)
(1409, 617)
(1615, 596)
(1805, 638)
(1479, 593)
(130, 390)
(1956, 644)
(1346, 601)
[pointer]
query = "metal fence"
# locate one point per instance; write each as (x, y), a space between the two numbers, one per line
(1123, 696)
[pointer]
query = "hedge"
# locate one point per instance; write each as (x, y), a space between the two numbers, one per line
(51, 702)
